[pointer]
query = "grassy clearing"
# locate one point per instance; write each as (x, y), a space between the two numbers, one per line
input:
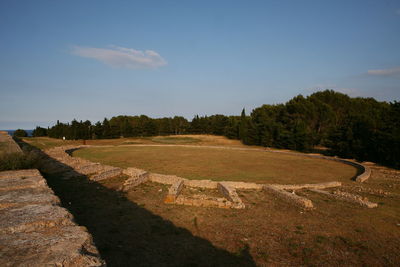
(46, 142)
(222, 164)
(175, 140)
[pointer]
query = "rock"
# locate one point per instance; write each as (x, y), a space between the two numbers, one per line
(174, 191)
(65, 246)
(33, 217)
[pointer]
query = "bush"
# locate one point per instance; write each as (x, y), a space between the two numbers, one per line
(20, 133)
(17, 161)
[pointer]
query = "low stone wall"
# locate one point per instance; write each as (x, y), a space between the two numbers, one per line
(365, 175)
(203, 201)
(243, 185)
(348, 197)
(208, 184)
(94, 171)
(164, 179)
(35, 230)
(231, 195)
(227, 188)
(136, 177)
(307, 186)
(8, 144)
(289, 197)
(108, 172)
(174, 191)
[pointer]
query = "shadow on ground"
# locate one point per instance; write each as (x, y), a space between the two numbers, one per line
(127, 234)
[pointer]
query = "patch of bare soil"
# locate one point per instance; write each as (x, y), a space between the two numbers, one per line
(137, 228)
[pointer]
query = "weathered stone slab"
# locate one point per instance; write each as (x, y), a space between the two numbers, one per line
(19, 173)
(290, 197)
(243, 185)
(65, 246)
(164, 179)
(32, 218)
(174, 191)
(203, 201)
(201, 183)
(231, 195)
(348, 197)
(27, 196)
(21, 182)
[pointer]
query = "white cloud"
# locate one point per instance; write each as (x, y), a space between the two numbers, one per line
(385, 72)
(121, 57)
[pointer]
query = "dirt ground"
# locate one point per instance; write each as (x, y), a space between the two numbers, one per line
(138, 229)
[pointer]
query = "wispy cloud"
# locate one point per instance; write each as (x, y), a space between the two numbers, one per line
(121, 57)
(392, 72)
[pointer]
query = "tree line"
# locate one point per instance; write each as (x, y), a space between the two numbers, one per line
(361, 128)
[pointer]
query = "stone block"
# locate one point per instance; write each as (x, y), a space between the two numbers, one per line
(64, 246)
(243, 185)
(289, 197)
(21, 182)
(174, 191)
(231, 195)
(201, 183)
(27, 196)
(164, 179)
(30, 218)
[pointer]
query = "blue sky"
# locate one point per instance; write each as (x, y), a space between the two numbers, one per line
(95, 59)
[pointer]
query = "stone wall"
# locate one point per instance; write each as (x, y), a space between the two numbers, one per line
(35, 230)
(79, 166)
(289, 197)
(227, 189)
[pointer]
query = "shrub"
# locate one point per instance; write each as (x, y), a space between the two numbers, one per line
(17, 161)
(20, 133)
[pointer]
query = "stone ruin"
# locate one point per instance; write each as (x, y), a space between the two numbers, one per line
(35, 230)
(227, 189)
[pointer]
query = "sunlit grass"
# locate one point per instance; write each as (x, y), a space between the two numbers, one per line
(222, 164)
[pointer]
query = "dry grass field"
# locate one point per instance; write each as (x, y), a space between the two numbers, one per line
(138, 228)
(46, 142)
(221, 164)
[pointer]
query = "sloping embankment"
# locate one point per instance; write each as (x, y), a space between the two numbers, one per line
(7, 144)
